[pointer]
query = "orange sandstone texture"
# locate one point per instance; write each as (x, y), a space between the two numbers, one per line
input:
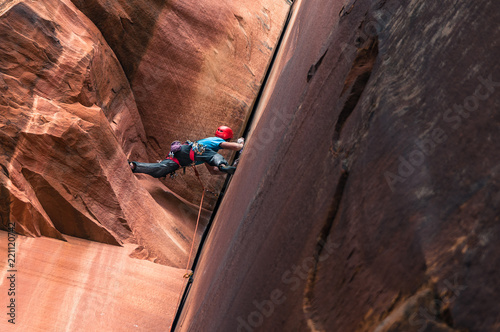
(68, 123)
(192, 65)
(80, 285)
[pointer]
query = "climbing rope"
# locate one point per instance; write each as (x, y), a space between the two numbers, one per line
(198, 219)
(188, 274)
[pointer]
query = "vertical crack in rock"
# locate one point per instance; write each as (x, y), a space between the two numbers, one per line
(313, 323)
(356, 80)
(314, 68)
(4, 207)
(443, 312)
(5, 170)
(347, 8)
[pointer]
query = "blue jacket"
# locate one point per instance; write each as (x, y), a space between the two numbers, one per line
(212, 143)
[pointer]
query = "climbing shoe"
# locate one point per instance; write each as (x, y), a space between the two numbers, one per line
(227, 169)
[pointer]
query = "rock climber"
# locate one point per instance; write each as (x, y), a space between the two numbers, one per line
(203, 151)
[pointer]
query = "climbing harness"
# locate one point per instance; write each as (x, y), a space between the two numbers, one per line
(197, 148)
(176, 146)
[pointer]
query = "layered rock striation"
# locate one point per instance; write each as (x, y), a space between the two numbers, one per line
(69, 121)
(192, 66)
(70, 118)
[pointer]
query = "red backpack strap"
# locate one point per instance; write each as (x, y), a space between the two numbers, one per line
(174, 159)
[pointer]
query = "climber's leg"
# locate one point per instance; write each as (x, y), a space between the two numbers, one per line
(219, 161)
(157, 170)
(214, 159)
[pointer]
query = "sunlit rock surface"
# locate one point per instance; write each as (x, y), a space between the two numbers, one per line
(69, 121)
(81, 285)
(192, 65)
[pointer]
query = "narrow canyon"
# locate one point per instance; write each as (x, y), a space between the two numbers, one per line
(366, 197)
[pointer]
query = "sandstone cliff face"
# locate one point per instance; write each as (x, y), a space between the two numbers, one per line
(68, 121)
(192, 66)
(366, 200)
(81, 285)
(376, 206)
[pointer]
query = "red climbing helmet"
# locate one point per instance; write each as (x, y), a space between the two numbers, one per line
(224, 132)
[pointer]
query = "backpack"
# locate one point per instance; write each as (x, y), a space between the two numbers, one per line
(175, 147)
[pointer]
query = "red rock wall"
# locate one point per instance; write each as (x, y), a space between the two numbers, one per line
(192, 65)
(81, 285)
(68, 122)
(70, 119)
(367, 198)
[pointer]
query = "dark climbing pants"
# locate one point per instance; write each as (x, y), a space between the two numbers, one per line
(167, 166)
(210, 157)
(157, 170)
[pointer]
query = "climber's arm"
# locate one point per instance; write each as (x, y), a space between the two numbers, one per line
(231, 146)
